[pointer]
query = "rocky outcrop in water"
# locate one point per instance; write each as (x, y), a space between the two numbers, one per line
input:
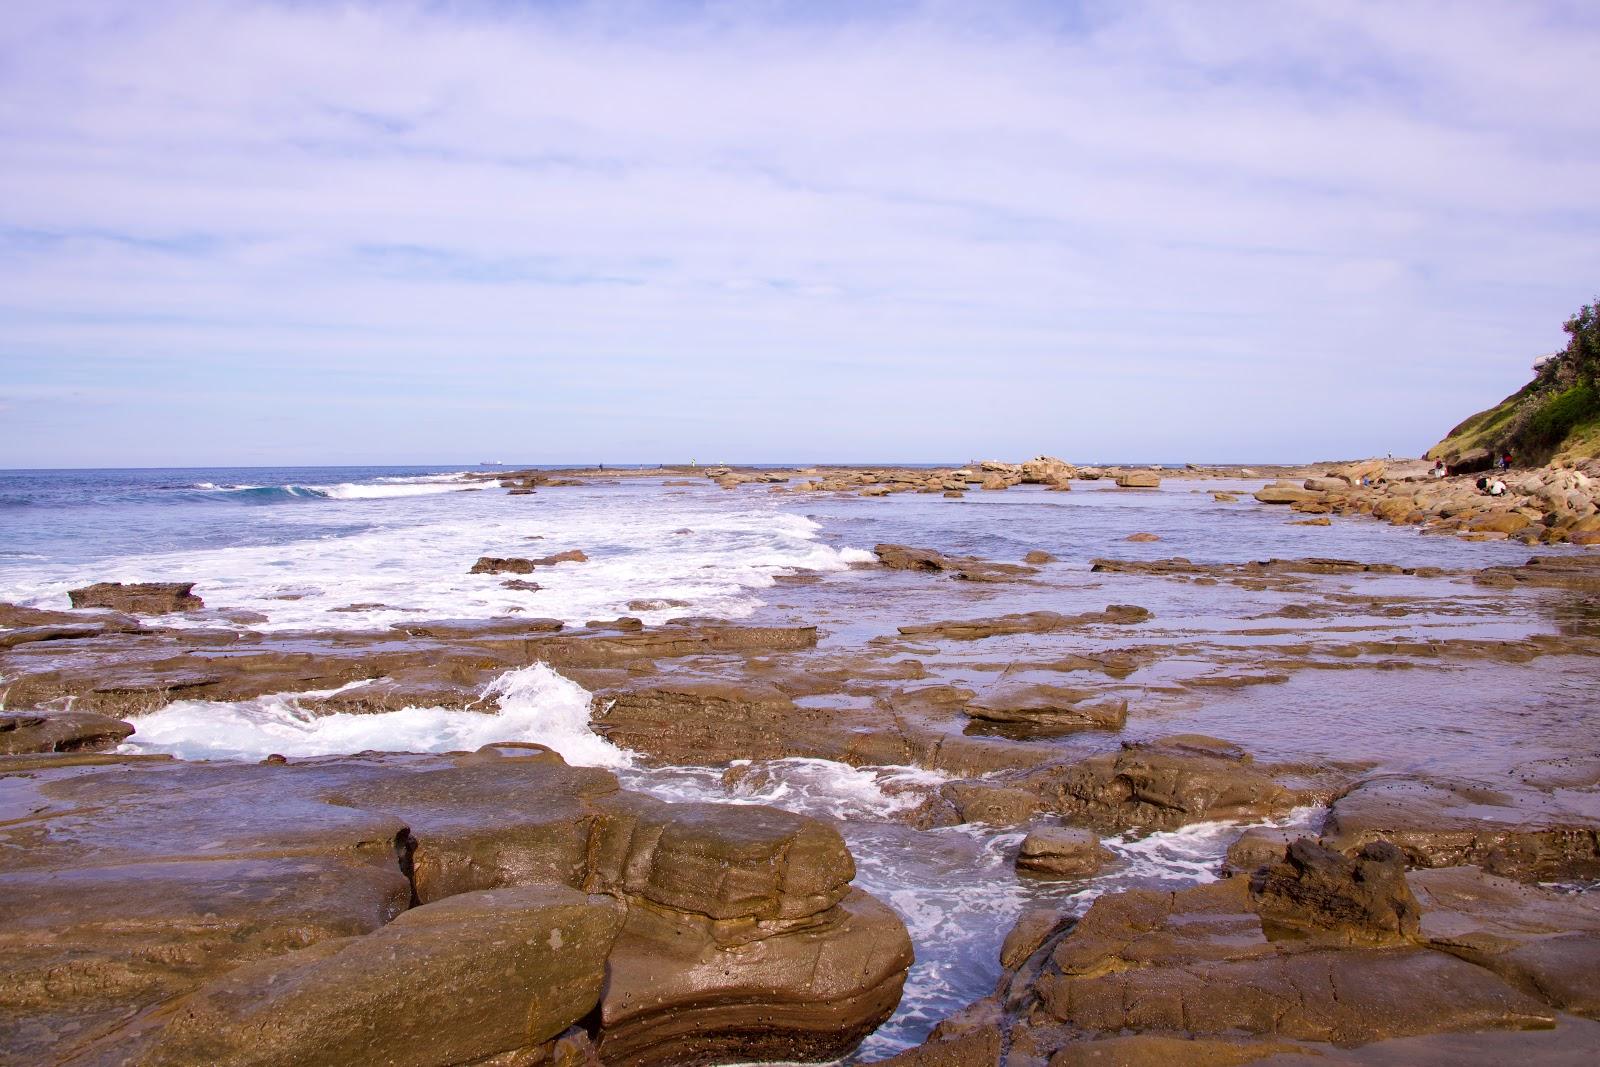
(1203, 974)
(138, 598)
(65, 731)
(422, 909)
(1512, 828)
(1160, 785)
(1062, 852)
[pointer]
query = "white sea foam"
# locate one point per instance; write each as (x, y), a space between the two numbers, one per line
(806, 786)
(369, 491)
(529, 704)
(695, 554)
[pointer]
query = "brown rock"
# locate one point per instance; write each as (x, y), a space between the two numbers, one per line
(711, 721)
(1143, 537)
(1033, 622)
(1259, 846)
(906, 558)
(1159, 1050)
(1160, 785)
(1138, 480)
(1507, 828)
(479, 975)
(1280, 493)
(570, 556)
(1050, 707)
(993, 805)
(1320, 891)
(1033, 928)
(1038, 556)
(139, 598)
(1063, 852)
(1198, 963)
(67, 731)
(499, 565)
(1544, 943)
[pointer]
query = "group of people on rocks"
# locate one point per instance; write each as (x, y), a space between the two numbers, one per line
(1488, 485)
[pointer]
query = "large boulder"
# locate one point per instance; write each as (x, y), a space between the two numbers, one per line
(1047, 470)
(1138, 480)
(1285, 493)
(1062, 852)
(1363, 898)
(497, 973)
(678, 994)
(138, 598)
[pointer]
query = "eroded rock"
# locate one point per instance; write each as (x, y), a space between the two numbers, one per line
(1063, 852)
(138, 598)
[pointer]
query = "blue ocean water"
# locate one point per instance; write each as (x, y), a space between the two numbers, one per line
(71, 516)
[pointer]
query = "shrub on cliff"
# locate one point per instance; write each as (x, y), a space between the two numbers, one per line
(1557, 412)
(1583, 342)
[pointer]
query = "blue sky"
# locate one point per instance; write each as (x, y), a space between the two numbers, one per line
(261, 233)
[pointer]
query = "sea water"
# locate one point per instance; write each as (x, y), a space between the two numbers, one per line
(362, 548)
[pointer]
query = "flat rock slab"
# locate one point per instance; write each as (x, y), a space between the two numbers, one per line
(1506, 827)
(486, 974)
(1161, 785)
(1050, 707)
(139, 598)
(1032, 622)
(60, 732)
(1542, 942)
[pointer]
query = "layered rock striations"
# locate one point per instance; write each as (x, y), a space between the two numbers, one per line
(421, 909)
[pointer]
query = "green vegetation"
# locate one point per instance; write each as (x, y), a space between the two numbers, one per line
(1556, 414)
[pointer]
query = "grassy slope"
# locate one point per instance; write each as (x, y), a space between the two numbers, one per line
(1487, 429)
(1481, 430)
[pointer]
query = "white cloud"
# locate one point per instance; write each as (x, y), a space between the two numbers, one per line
(1155, 231)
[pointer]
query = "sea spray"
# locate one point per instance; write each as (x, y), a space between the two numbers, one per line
(528, 704)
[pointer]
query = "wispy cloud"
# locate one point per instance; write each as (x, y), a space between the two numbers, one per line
(911, 229)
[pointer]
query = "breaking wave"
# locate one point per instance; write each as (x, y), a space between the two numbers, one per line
(528, 704)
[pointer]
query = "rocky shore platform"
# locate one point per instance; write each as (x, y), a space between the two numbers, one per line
(1407, 756)
(1557, 504)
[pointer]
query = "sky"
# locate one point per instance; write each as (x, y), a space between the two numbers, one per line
(328, 233)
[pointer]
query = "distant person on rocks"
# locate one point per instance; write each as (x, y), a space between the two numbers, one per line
(1438, 470)
(1493, 487)
(1505, 460)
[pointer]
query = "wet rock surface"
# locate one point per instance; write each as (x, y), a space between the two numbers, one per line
(1062, 852)
(310, 901)
(60, 732)
(146, 598)
(1360, 898)
(1160, 785)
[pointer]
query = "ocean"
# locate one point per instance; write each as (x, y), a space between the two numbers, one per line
(286, 550)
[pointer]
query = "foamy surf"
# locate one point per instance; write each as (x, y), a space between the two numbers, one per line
(529, 704)
(379, 489)
(368, 563)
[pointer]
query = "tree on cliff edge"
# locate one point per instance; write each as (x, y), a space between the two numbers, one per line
(1583, 342)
